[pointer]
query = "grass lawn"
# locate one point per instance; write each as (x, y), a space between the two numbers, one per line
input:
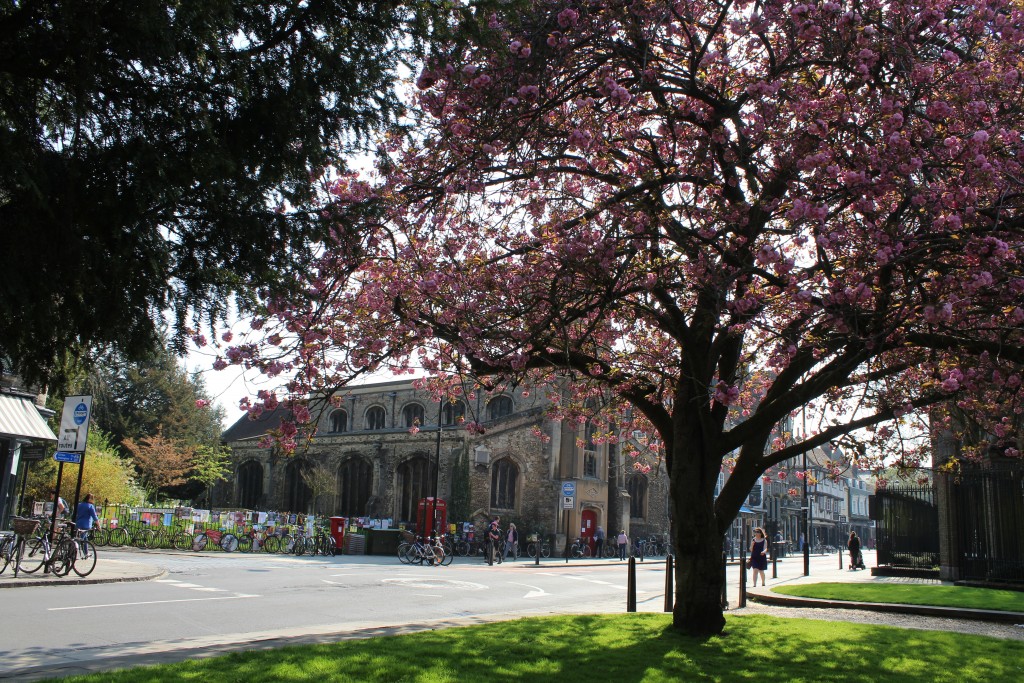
(630, 647)
(912, 594)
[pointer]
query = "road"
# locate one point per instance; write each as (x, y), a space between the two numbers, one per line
(214, 602)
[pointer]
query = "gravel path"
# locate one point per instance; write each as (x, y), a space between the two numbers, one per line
(982, 628)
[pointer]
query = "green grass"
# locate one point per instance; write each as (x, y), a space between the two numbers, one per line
(632, 647)
(912, 594)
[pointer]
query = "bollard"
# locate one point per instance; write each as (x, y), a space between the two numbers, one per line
(490, 553)
(742, 602)
(631, 586)
(668, 583)
(725, 584)
(775, 566)
(840, 559)
(536, 558)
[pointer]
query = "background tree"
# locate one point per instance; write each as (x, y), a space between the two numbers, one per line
(108, 476)
(716, 215)
(161, 462)
(131, 399)
(321, 480)
(162, 155)
(210, 464)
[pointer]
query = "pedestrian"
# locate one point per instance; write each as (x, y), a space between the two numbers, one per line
(511, 540)
(85, 516)
(599, 541)
(494, 540)
(62, 506)
(623, 541)
(853, 545)
(758, 561)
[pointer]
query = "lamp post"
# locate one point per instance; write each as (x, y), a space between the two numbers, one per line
(437, 466)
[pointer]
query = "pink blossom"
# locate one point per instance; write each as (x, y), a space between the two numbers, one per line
(202, 403)
(568, 18)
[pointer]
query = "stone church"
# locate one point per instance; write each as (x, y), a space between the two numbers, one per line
(387, 445)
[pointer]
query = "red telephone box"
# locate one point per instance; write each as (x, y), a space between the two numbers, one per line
(338, 532)
(424, 523)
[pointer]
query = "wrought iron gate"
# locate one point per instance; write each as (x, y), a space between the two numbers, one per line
(987, 520)
(907, 527)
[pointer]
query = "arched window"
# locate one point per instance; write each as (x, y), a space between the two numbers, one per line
(453, 412)
(375, 418)
(297, 495)
(504, 478)
(250, 485)
(355, 481)
(500, 406)
(414, 483)
(338, 422)
(412, 415)
(636, 485)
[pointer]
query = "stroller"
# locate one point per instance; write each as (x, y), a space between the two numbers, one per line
(857, 560)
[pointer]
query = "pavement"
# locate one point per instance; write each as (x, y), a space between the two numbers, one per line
(117, 566)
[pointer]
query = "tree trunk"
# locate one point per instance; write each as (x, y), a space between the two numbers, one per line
(700, 573)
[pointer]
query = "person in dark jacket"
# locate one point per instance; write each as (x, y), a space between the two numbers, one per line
(853, 545)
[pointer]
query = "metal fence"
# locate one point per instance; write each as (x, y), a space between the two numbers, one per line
(987, 520)
(907, 527)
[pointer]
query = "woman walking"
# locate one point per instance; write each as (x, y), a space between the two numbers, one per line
(758, 555)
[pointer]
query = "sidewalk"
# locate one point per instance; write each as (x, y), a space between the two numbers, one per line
(835, 574)
(108, 570)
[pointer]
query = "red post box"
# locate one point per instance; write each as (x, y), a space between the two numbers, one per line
(338, 532)
(431, 514)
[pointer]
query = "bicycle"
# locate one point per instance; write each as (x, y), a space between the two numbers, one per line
(532, 548)
(415, 549)
(227, 542)
(38, 552)
(580, 548)
(84, 559)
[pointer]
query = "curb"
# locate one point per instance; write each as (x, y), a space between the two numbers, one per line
(897, 608)
(81, 581)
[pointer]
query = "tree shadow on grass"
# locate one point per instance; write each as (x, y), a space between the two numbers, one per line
(634, 647)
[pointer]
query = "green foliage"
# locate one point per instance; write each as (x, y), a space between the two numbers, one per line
(210, 464)
(912, 594)
(160, 155)
(637, 647)
(107, 475)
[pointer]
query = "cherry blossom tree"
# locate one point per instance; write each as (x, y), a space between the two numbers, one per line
(714, 214)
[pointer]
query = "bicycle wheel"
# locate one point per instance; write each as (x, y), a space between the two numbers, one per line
(545, 550)
(229, 543)
(183, 540)
(85, 560)
(446, 557)
(99, 536)
(144, 538)
(287, 542)
(462, 548)
(117, 537)
(63, 558)
(200, 541)
(272, 544)
(404, 552)
(30, 556)
(6, 550)
(245, 543)
(298, 546)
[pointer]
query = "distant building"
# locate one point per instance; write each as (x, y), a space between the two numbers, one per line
(380, 445)
(23, 433)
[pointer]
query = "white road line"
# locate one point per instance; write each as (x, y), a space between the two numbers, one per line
(150, 602)
(535, 593)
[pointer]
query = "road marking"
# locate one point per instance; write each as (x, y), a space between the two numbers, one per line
(151, 602)
(437, 583)
(535, 593)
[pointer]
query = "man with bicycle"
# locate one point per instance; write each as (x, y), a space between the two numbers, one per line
(85, 517)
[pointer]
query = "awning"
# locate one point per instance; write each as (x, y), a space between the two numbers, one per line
(19, 417)
(744, 510)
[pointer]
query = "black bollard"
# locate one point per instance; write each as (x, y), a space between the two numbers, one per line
(536, 557)
(840, 558)
(725, 584)
(775, 566)
(669, 569)
(631, 586)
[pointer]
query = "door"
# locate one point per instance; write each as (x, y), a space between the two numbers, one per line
(588, 525)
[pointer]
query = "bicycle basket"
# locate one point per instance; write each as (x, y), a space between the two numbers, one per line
(24, 526)
(408, 536)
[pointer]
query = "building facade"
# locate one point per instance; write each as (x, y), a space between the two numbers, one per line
(382, 448)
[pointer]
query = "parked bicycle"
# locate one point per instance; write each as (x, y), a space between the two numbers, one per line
(534, 546)
(38, 551)
(580, 548)
(227, 542)
(416, 549)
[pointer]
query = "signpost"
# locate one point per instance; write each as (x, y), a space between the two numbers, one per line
(568, 503)
(71, 439)
(64, 456)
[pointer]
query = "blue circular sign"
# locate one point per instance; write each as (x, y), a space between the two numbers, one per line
(568, 488)
(81, 413)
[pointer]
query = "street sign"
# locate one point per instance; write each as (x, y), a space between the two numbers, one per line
(74, 424)
(64, 456)
(568, 502)
(33, 453)
(569, 488)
